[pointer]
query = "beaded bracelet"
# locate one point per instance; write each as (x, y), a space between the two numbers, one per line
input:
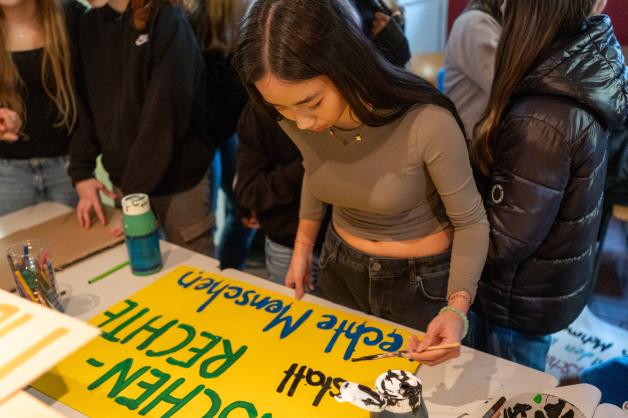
(462, 315)
(460, 295)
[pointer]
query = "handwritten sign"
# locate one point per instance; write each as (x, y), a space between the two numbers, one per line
(587, 342)
(195, 344)
(33, 339)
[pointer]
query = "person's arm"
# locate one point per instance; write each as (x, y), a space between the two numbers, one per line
(84, 149)
(527, 183)
(177, 80)
(447, 161)
(311, 213)
(299, 275)
(262, 183)
(84, 145)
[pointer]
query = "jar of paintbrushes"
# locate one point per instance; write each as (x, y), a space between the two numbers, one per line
(33, 272)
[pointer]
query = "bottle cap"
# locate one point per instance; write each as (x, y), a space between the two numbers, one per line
(135, 204)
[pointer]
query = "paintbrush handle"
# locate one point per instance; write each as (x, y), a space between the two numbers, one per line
(442, 347)
(406, 353)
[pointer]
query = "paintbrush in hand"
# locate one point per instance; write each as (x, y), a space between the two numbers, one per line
(405, 353)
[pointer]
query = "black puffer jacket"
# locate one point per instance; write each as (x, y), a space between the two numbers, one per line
(544, 195)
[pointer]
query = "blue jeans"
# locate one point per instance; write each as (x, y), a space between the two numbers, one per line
(278, 261)
(26, 182)
(409, 291)
(526, 349)
(235, 239)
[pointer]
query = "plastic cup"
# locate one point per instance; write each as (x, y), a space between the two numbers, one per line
(33, 272)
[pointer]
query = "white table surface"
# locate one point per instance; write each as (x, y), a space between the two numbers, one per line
(462, 385)
(607, 410)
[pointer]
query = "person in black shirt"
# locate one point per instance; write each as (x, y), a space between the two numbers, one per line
(144, 111)
(37, 101)
(216, 26)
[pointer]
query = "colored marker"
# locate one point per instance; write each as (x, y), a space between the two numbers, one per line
(494, 408)
(25, 287)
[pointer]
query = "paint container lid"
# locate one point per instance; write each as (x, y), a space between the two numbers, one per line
(135, 204)
(401, 389)
(361, 396)
(396, 391)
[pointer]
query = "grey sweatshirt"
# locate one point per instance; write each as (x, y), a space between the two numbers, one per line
(469, 64)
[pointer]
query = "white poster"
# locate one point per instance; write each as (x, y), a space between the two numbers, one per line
(587, 342)
(33, 339)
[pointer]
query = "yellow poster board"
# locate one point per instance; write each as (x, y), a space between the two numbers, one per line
(195, 344)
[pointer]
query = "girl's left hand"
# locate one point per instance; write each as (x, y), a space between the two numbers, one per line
(445, 328)
(10, 125)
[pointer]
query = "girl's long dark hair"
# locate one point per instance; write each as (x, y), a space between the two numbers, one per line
(531, 30)
(298, 40)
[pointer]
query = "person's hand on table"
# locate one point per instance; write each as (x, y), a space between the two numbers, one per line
(89, 200)
(10, 125)
(446, 328)
(117, 229)
(299, 275)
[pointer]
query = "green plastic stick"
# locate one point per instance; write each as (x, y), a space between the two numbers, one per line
(108, 272)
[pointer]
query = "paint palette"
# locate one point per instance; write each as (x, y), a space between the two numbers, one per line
(539, 405)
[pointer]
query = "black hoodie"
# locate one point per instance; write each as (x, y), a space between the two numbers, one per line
(145, 104)
(545, 190)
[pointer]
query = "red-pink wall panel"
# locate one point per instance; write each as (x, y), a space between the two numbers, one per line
(616, 9)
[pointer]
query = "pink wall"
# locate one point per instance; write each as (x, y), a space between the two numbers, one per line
(616, 9)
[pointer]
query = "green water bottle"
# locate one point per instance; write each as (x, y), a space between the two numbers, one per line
(141, 235)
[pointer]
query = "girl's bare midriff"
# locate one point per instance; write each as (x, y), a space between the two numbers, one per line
(421, 247)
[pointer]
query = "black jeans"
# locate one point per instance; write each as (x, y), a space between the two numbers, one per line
(409, 291)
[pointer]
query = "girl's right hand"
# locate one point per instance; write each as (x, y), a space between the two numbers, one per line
(89, 200)
(10, 125)
(299, 275)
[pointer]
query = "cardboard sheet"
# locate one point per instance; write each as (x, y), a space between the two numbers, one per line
(68, 242)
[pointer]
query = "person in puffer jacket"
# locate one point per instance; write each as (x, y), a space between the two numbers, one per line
(540, 157)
